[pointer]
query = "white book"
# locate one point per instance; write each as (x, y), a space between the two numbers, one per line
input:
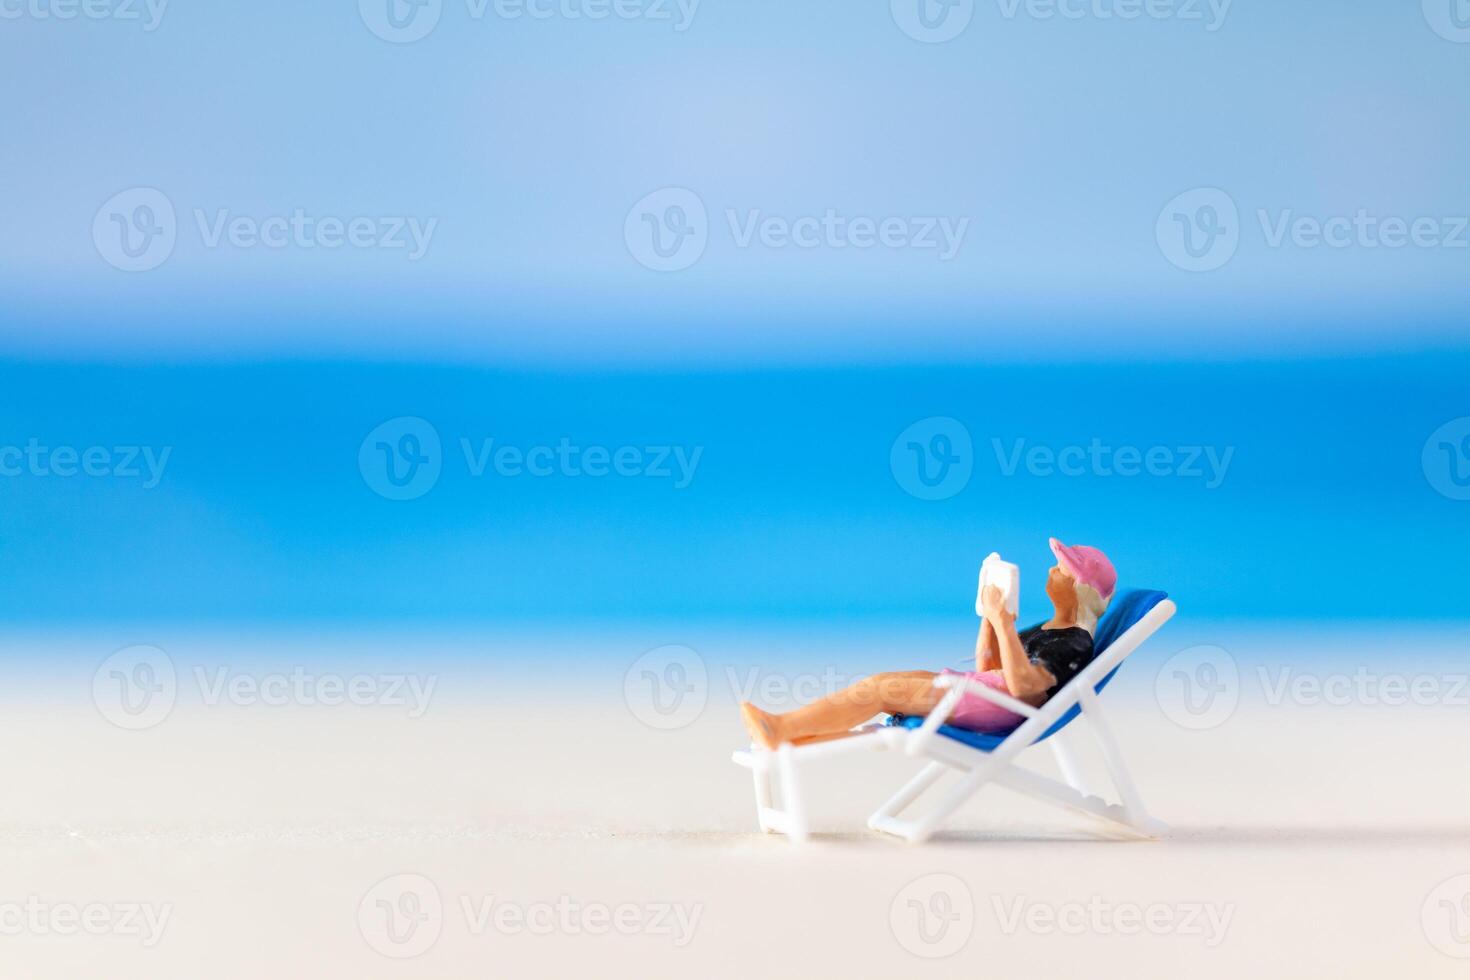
(1003, 575)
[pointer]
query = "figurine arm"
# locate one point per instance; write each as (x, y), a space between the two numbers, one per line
(987, 649)
(1024, 680)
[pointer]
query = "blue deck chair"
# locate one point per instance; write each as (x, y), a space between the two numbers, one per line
(981, 759)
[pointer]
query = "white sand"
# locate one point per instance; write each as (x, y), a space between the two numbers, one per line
(1313, 835)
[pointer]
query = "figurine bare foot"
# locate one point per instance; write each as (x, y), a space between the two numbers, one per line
(764, 728)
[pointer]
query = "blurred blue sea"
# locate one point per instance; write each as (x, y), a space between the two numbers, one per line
(1287, 490)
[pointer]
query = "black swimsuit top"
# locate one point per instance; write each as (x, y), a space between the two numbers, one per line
(1064, 652)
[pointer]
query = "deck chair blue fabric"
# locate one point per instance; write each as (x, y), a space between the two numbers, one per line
(1126, 609)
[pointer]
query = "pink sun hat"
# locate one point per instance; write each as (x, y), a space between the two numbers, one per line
(1087, 565)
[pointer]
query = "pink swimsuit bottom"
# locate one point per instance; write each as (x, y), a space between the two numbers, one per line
(977, 714)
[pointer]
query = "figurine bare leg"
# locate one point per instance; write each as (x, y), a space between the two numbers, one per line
(908, 692)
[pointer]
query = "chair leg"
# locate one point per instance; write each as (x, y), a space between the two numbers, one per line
(1008, 776)
(1063, 749)
(761, 773)
(925, 826)
(884, 817)
(1113, 756)
(1039, 787)
(791, 795)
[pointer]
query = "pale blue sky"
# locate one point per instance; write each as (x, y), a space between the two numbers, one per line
(528, 141)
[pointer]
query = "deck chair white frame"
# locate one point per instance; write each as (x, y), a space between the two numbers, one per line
(779, 770)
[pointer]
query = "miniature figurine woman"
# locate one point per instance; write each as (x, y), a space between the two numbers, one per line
(1030, 666)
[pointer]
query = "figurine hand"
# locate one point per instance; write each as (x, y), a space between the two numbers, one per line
(993, 602)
